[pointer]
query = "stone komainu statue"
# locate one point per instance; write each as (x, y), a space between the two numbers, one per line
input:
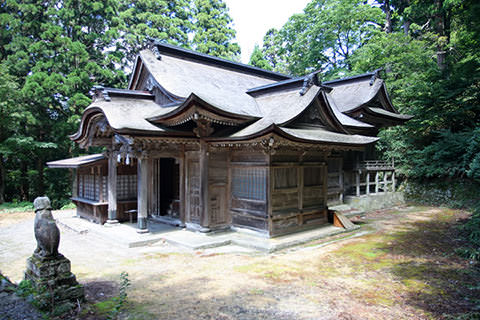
(46, 230)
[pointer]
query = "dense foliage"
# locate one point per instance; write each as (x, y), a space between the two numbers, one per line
(53, 52)
(428, 51)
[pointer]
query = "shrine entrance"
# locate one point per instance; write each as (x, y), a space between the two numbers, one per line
(166, 188)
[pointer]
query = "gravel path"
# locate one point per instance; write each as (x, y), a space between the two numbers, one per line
(398, 271)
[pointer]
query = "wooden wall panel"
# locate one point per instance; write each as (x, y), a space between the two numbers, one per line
(335, 180)
(256, 208)
(217, 193)
(248, 221)
(313, 197)
(298, 191)
(286, 199)
(248, 190)
(193, 191)
(246, 156)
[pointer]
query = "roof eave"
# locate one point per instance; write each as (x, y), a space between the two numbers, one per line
(57, 164)
(192, 99)
(275, 129)
(395, 117)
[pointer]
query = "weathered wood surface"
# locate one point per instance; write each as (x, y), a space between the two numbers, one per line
(298, 192)
(339, 220)
(142, 196)
(112, 187)
(217, 193)
(203, 184)
(382, 181)
(193, 191)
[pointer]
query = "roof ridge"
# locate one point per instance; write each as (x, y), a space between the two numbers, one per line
(358, 76)
(202, 57)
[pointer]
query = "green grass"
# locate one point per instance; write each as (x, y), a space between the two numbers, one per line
(9, 207)
(69, 205)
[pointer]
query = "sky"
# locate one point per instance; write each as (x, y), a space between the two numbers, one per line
(253, 18)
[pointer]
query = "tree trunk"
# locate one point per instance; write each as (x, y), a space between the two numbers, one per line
(406, 27)
(41, 181)
(406, 19)
(388, 17)
(2, 181)
(24, 187)
(440, 30)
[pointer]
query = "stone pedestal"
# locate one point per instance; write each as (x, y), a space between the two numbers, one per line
(53, 282)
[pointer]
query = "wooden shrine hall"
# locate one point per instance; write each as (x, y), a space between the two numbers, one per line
(211, 144)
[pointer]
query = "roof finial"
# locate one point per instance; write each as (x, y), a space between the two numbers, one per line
(97, 90)
(309, 81)
(152, 45)
(375, 75)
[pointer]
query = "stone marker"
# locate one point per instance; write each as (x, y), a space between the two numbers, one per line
(48, 270)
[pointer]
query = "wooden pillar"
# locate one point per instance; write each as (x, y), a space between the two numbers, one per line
(385, 181)
(112, 189)
(182, 186)
(393, 181)
(367, 183)
(341, 183)
(270, 189)
(357, 183)
(376, 182)
(203, 167)
(142, 193)
(325, 189)
(150, 174)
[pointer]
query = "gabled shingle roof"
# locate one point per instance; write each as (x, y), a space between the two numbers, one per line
(255, 98)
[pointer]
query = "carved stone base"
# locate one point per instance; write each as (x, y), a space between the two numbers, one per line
(53, 283)
(142, 231)
(111, 223)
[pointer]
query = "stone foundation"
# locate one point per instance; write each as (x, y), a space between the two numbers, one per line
(53, 282)
(375, 201)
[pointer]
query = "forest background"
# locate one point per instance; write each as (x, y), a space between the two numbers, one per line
(54, 51)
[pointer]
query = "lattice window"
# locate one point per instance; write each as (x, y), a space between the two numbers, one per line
(80, 186)
(285, 178)
(88, 188)
(127, 187)
(249, 183)
(312, 176)
(105, 187)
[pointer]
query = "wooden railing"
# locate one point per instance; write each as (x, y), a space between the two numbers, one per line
(374, 176)
(376, 165)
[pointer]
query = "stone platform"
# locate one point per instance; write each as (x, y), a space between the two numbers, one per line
(125, 235)
(53, 282)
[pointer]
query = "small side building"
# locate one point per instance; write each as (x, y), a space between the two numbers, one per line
(211, 144)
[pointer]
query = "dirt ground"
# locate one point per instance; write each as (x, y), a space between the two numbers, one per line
(406, 268)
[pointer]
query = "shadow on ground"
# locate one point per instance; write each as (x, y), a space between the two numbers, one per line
(447, 284)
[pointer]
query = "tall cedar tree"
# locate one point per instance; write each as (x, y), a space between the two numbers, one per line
(53, 52)
(170, 21)
(56, 51)
(213, 32)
